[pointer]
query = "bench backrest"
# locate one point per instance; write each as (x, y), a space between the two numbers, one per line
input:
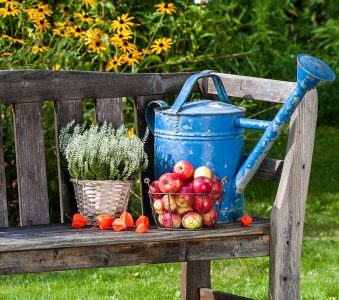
(26, 89)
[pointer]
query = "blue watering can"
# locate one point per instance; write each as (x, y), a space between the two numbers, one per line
(211, 133)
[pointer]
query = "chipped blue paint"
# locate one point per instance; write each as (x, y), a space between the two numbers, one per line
(251, 123)
(211, 133)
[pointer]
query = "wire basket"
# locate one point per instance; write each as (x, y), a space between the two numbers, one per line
(95, 197)
(171, 218)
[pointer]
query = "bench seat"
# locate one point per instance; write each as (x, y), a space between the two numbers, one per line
(60, 247)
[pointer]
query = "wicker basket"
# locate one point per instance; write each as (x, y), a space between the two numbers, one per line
(95, 197)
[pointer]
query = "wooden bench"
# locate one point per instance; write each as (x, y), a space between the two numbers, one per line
(38, 246)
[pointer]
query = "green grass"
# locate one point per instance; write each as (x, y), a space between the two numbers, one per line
(247, 277)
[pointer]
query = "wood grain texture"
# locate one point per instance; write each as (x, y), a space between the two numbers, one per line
(62, 235)
(270, 169)
(31, 164)
(254, 88)
(132, 253)
(18, 86)
(288, 211)
(208, 294)
(65, 112)
(194, 275)
(140, 104)
(109, 110)
(3, 195)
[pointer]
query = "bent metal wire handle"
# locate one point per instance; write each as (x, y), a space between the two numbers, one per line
(188, 86)
(311, 71)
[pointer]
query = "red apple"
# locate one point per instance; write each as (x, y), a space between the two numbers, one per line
(203, 171)
(158, 206)
(169, 203)
(186, 190)
(202, 185)
(203, 203)
(183, 210)
(183, 169)
(210, 219)
(171, 220)
(169, 183)
(216, 191)
(192, 220)
(154, 189)
(190, 185)
(184, 200)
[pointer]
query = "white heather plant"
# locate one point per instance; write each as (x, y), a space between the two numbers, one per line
(102, 153)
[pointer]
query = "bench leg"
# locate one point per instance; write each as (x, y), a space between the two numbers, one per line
(194, 275)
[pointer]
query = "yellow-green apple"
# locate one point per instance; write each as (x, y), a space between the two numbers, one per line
(210, 219)
(183, 210)
(216, 191)
(183, 169)
(184, 197)
(169, 183)
(203, 171)
(155, 191)
(202, 185)
(169, 203)
(158, 206)
(203, 203)
(171, 220)
(191, 220)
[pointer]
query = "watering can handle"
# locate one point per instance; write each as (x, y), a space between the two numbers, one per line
(188, 86)
(149, 113)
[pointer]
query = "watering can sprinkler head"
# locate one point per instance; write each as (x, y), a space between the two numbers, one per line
(311, 72)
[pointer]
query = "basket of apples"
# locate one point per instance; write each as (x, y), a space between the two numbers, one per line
(187, 198)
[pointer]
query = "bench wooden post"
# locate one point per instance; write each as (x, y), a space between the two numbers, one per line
(194, 275)
(288, 212)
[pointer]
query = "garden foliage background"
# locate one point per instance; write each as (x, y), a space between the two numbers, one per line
(255, 38)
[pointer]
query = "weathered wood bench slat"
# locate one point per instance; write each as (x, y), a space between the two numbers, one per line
(109, 110)
(149, 252)
(254, 88)
(31, 164)
(63, 236)
(3, 195)
(65, 112)
(270, 169)
(18, 86)
(140, 104)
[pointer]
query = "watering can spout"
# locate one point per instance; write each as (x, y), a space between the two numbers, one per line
(310, 73)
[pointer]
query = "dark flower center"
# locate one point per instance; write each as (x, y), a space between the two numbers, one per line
(161, 45)
(130, 55)
(115, 62)
(77, 30)
(9, 9)
(41, 22)
(121, 35)
(126, 44)
(40, 10)
(166, 6)
(97, 44)
(71, 19)
(66, 8)
(86, 16)
(122, 22)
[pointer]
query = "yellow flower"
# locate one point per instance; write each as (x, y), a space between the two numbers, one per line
(8, 11)
(39, 11)
(89, 3)
(42, 24)
(19, 41)
(83, 16)
(99, 21)
(131, 57)
(130, 132)
(57, 31)
(164, 8)
(161, 45)
(125, 46)
(122, 23)
(114, 63)
(75, 31)
(6, 54)
(124, 35)
(96, 45)
(145, 52)
(10, 3)
(56, 67)
(39, 49)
